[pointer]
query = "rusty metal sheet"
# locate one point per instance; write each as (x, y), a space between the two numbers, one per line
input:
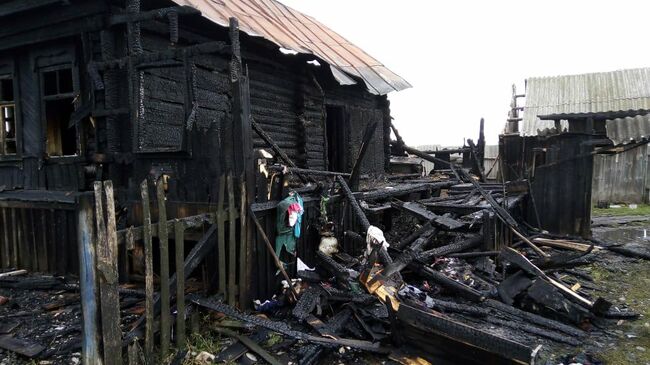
(293, 30)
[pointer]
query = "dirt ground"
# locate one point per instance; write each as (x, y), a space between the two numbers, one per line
(625, 281)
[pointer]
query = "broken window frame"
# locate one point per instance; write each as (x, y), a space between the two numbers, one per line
(73, 94)
(4, 155)
(8, 71)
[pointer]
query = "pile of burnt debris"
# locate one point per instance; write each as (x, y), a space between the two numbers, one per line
(453, 275)
(435, 287)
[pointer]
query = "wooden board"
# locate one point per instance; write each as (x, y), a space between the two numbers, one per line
(19, 346)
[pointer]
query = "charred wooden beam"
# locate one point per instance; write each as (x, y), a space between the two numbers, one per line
(307, 303)
(411, 253)
(297, 170)
(354, 204)
(535, 318)
(151, 15)
(19, 6)
(334, 268)
(252, 345)
(420, 211)
(514, 257)
(447, 283)
(274, 146)
(542, 332)
(471, 241)
(283, 328)
(435, 324)
(190, 51)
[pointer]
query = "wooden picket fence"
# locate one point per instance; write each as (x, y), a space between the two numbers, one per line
(226, 236)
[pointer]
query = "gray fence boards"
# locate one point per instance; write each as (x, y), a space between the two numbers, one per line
(621, 178)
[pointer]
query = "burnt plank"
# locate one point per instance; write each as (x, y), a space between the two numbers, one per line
(148, 258)
(232, 242)
(421, 212)
(221, 235)
(179, 241)
(108, 278)
(438, 325)
(163, 239)
(21, 346)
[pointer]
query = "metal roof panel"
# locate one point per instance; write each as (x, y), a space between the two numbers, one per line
(291, 29)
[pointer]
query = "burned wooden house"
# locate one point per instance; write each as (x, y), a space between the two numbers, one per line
(126, 91)
(574, 130)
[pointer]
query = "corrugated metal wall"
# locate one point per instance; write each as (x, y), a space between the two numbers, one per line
(621, 178)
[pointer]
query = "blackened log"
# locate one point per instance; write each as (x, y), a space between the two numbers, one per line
(471, 255)
(434, 324)
(308, 301)
(233, 352)
(514, 257)
(354, 204)
(535, 318)
(470, 242)
(284, 329)
(462, 209)
(548, 297)
(471, 310)
(334, 326)
(151, 15)
(512, 286)
(297, 170)
(557, 337)
(252, 345)
(274, 146)
(402, 190)
(310, 276)
(422, 213)
(410, 253)
(447, 283)
(334, 268)
(405, 242)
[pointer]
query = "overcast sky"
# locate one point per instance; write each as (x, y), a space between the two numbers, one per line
(463, 56)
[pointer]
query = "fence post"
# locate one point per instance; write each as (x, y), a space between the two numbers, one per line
(179, 238)
(108, 278)
(163, 239)
(87, 281)
(148, 263)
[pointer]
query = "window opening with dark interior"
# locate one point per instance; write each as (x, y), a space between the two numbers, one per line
(58, 98)
(8, 142)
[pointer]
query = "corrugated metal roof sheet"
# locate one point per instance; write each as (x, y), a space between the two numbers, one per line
(627, 130)
(293, 30)
(586, 93)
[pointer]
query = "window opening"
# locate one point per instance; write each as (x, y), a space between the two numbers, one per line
(8, 141)
(58, 96)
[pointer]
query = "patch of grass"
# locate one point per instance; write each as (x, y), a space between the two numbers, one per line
(642, 209)
(198, 342)
(273, 340)
(634, 286)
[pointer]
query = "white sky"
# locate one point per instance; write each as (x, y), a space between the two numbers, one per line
(463, 56)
